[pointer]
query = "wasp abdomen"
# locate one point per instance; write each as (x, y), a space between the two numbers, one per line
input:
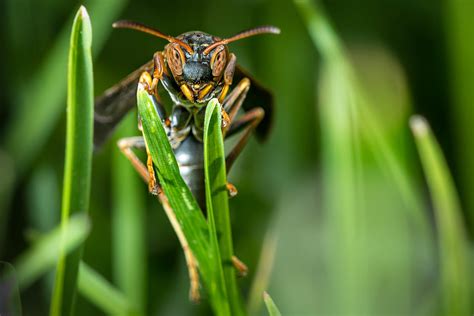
(190, 158)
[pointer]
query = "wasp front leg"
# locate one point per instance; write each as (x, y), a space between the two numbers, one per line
(228, 76)
(234, 101)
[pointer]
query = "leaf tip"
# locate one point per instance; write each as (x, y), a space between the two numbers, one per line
(419, 125)
(266, 296)
(82, 27)
(83, 12)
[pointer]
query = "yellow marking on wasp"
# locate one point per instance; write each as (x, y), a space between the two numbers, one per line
(187, 93)
(223, 93)
(204, 91)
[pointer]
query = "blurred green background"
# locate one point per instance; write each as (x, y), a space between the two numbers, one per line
(378, 257)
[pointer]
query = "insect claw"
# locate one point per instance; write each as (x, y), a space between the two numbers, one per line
(154, 188)
(194, 295)
(240, 266)
(225, 119)
(147, 82)
(231, 189)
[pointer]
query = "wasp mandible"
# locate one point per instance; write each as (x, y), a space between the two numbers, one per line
(193, 68)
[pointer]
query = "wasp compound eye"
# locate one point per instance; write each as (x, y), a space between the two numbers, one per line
(218, 61)
(175, 58)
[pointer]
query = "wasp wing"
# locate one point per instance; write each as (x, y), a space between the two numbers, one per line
(115, 103)
(257, 96)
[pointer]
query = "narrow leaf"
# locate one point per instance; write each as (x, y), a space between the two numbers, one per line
(185, 212)
(457, 16)
(129, 225)
(263, 271)
(77, 170)
(453, 255)
(271, 307)
(99, 291)
(217, 201)
(43, 254)
(39, 121)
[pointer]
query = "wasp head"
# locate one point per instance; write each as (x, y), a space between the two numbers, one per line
(198, 61)
(197, 70)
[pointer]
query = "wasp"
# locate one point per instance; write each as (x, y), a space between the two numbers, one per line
(193, 68)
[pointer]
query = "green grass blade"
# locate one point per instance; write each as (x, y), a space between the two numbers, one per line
(271, 307)
(42, 256)
(129, 225)
(263, 272)
(341, 170)
(39, 121)
(77, 173)
(217, 200)
(459, 23)
(454, 251)
(353, 138)
(184, 207)
(98, 290)
(331, 49)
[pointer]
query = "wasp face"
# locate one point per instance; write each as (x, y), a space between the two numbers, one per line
(197, 70)
(199, 61)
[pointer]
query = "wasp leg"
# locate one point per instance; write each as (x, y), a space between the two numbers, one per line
(240, 266)
(150, 84)
(234, 101)
(189, 256)
(231, 189)
(246, 123)
(138, 142)
(125, 145)
(228, 77)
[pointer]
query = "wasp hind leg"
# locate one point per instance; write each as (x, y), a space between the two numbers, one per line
(126, 145)
(137, 142)
(240, 266)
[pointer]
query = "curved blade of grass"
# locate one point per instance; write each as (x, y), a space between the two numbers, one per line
(271, 307)
(44, 253)
(38, 121)
(77, 170)
(98, 290)
(458, 24)
(185, 208)
(263, 272)
(454, 251)
(129, 225)
(331, 49)
(217, 201)
(351, 133)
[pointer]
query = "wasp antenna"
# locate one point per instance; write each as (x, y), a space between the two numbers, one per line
(265, 29)
(124, 24)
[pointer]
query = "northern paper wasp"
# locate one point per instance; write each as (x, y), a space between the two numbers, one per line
(193, 68)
